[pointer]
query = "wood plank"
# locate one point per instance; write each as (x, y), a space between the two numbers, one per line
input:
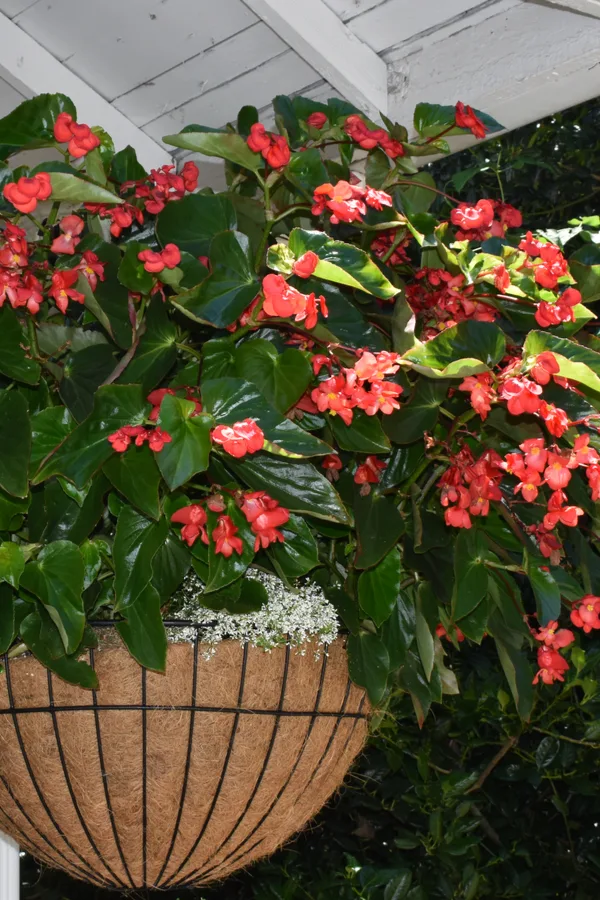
(219, 64)
(586, 7)
(396, 21)
(348, 9)
(12, 8)
(321, 38)
(545, 75)
(116, 45)
(282, 75)
(31, 70)
(9, 98)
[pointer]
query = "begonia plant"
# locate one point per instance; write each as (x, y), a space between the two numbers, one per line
(308, 373)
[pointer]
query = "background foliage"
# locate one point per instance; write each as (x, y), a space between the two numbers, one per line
(477, 803)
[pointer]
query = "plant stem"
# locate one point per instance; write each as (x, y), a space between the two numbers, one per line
(185, 348)
(33, 341)
(504, 749)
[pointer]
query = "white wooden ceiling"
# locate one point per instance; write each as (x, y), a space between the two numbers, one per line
(145, 68)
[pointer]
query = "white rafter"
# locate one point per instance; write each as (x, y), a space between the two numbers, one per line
(32, 70)
(587, 7)
(314, 31)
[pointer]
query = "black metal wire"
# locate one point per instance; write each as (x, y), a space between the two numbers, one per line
(173, 881)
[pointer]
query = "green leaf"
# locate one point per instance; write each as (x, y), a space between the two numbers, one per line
(12, 511)
(15, 443)
(281, 378)
(378, 588)
(377, 169)
(218, 359)
(132, 273)
(223, 570)
(584, 266)
(125, 166)
(471, 574)
(232, 400)
(368, 664)
(403, 325)
(363, 435)
(419, 414)
(170, 566)
(547, 751)
(7, 617)
(222, 297)
(49, 428)
(109, 303)
(31, 124)
(65, 518)
(424, 638)
(136, 476)
(576, 362)
(192, 222)
(397, 888)
(432, 118)
(222, 144)
(92, 562)
(412, 679)
(72, 189)
(13, 360)
(306, 171)
(84, 372)
(156, 353)
(143, 632)
(298, 554)
(378, 526)
(137, 539)
(398, 632)
(12, 563)
(87, 448)
(342, 263)
(464, 349)
(298, 486)
(34, 631)
(56, 578)
(345, 323)
(188, 452)
(545, 589)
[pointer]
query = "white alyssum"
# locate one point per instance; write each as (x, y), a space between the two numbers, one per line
(300, 617)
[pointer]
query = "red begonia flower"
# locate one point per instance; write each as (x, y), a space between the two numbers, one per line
(224, 536)
(193, 518)
(25, 193)
(71, 226)
(239, 438)
(317, 120)
(306, 264)
(586, 613)
(466, 118)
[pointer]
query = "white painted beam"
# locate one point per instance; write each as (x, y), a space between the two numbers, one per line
(587, 7)
(32, 70)
(314, 31)
(9, 869)
(518, 64)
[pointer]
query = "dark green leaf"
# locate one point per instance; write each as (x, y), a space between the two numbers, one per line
(378, 526)
(15, 443)
(368, 664)
(14, 363)
(31, 124)
(109, 303)
(72, 189)
(132, 273)
(431, 119)
(306, 171)
(65, 518)
(464, 349)
(7, 617)
(192, 222)
(418, 415)
(170, 566)
(471, 575)
(156, 352)
(546, 590)
(378, 588)
(143, 631)
(188, 452)
(87, 448)
(125, 166)
(135, 475)
(56, 578)
(84, 372)
(547, 751)
(298, 554)
(584, 265)
(222, 144)
(399, 630)
(345, 323)
(137, 539)
(34, 633)
(282, 378)
(218, 359)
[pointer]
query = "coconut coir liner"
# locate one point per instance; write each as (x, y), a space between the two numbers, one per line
(132, 798)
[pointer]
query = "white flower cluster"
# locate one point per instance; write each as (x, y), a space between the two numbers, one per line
(296, 617)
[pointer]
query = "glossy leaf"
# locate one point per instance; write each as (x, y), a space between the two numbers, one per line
(224, 570)
(342, 263)
(431, 119)
(192, 223)
(156, 352)
(143, 631)
(14, 359)
(298, 553)
(31, 124)
(12, 563)
(87, 448)
(363, 435)
(125, 166)
(545, 589)
(424, 637)
(137, 540)
(169, 566)
(84, 372)
(584, 265)
(378, 526)
(15, 443)
(298, 486)
(132, 273)
(222, 144)
(470, 572)
(281, 378)
(306, 171)
(49, 428)
(188, 452)
(577, 363)
(398, 631)
(137, 477)
(378, 588)
(368, 664)
(56, 578)
(7, 617)
(34, 631)
(464, 349)
(231, 400)
(419, 414)
(72, 189)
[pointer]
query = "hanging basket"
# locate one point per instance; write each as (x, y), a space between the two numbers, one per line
(174, 780)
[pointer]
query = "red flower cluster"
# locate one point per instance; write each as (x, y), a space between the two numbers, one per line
(468, 486)
(265, 516)
(239, 438)
(443, 300)
(368, 473)
(586, 613)
(17, 285)
(71, 227)
(122, 216)
(81, 138)
(156, 398)
(442, 633)
(62, 289)
(224, 536)
(347, 202)
(25, 193)
(466, 118)
(273, 147)
(362, 386)
(482, 392)
(383, 243)
(163, 185)
(155, 262)
(552, 666)
(554, 637)
(488, 218)
(369, 138)
(284, 301)
(156, 438)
